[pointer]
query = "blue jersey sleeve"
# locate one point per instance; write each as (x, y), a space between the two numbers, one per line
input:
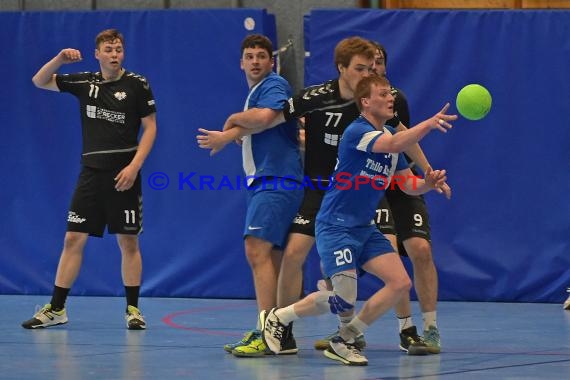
(273, 93)
(361, 135)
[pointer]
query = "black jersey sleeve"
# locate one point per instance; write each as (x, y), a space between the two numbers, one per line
(72, 83)
(401, 108)
(309, 99)
(145, 99)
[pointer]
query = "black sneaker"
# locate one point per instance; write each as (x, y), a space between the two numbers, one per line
(289, 345)
(412, 343)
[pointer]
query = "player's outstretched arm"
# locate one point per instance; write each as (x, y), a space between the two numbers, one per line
(400, 142)
(416, 153)
(255, 118)
(45, 77)
(217, 140)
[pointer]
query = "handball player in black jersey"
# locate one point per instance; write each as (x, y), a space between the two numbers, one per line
(114, 103)
(404, 220)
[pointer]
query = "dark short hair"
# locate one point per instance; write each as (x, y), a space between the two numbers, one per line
(364, 87)
(257, 40)
(380, 47)
(109, 35)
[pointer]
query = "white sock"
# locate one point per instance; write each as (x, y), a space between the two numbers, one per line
(405, 322)
(345, 320)
(357, 326)
(429, 319)
(287, 314)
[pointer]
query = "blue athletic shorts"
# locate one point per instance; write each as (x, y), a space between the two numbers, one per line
(343, 248)
(271, 209)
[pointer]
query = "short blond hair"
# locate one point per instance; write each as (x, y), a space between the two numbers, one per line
(364, 88)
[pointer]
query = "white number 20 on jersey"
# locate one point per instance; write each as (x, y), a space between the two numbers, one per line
(343, 256)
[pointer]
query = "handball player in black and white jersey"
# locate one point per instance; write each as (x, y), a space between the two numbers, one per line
(404, 220)
(114, 104)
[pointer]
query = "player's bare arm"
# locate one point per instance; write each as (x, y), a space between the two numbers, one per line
(217, 140)
(45, 77)
(255, 118)
(127, 176)
(401, 141)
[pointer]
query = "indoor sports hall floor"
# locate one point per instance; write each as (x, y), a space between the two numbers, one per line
(184, 340)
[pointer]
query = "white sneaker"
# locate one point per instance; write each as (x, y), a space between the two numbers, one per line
(566, 305)
(46, 317)
(344, 352)
(273, 331)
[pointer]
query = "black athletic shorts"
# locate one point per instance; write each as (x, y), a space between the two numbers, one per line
(403, 215)
(96, 205)
(304, 222)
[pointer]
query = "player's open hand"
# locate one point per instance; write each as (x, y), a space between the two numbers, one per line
(435, 179)
(441, 120)
(445, 190)
(126, 178)
(213, 140)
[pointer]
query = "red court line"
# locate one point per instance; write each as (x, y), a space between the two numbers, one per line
(169, 319)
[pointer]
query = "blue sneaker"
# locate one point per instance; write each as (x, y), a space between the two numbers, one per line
(432, 340)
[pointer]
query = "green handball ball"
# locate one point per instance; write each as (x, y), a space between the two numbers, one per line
(473, 102)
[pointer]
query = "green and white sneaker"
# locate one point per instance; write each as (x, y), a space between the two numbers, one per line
(432, 340)
(248, 337)
(46, 317)
(134, 318)
(256, 347)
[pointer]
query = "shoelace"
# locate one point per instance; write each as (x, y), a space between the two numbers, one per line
(432, 335)
(41, 310)
(414, 338)
(353, 349)
(278, 329)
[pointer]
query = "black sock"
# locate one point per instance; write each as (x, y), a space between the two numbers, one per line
(58, 298)
(132, 293)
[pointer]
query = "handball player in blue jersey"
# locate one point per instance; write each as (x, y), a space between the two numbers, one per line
(272, 165)
(346, 236)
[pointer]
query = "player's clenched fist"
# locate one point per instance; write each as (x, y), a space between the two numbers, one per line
(70, 55)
